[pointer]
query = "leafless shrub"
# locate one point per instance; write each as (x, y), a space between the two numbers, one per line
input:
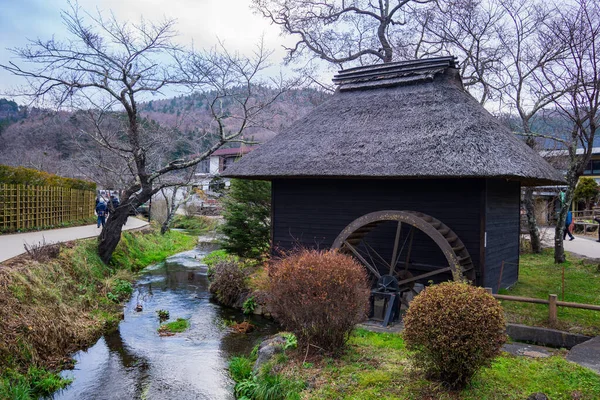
(42, 251)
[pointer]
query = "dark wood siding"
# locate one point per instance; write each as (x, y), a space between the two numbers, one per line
(311, 212)
(502, 228)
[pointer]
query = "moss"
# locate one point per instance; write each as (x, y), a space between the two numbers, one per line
(177, 326)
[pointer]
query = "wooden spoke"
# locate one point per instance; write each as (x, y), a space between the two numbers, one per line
(353, 240)
(412, 234)
(401, 250)
(370, 257)
(377, 254)
(362, 260)
(396, 243)
(426, 275)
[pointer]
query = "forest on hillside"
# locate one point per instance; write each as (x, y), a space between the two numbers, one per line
(58, 141)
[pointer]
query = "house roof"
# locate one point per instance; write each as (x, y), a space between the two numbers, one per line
(398, 120)
(238, 151)
(564, 152)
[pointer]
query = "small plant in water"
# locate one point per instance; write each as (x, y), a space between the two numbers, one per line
(171, 328)
(163, 315)
(249, 305)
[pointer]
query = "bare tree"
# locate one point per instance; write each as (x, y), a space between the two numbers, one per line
(528, 54)
(172, 197)
(108, 67)
(577, 26)
(467, 29)
(339, 31)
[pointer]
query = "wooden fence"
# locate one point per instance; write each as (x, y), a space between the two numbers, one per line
(552, 303)
(26, 207)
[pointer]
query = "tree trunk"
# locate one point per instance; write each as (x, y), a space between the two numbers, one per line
(559, 248)
(111, 233)
(534, 233)
(167, 224)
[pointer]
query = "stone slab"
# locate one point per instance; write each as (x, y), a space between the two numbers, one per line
(544, 336)
(528, 350)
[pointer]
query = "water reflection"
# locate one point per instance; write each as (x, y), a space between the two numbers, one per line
(135, 362)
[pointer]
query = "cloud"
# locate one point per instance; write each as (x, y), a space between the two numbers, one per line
(201, 22)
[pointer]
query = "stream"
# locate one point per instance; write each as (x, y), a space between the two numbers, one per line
(134, 362)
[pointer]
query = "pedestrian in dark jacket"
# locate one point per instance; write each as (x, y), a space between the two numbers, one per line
(101, 211)
(568, 227)
(114, 202)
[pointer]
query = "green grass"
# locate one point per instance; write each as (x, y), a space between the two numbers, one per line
(194, 225)
(240, 368)
(539, 277)
(377, 366)
(30, 385)
(177, 326)
(138, 250)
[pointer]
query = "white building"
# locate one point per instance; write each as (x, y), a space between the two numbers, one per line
(216, 164)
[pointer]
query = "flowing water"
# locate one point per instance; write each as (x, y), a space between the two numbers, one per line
(135, 362)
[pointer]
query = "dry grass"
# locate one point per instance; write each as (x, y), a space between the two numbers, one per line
(45, 313)
(50, 309)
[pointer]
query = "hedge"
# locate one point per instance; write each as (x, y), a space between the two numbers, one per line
(28, 176)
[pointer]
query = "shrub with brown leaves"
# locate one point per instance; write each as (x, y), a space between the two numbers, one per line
(454, 329)
(228, 282)
(320, 296)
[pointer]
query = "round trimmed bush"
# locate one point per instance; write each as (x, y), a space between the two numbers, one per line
(319, 295)
(228, 282)
(454, 329)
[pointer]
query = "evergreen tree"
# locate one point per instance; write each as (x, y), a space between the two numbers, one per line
(586, 191)
(247, 214)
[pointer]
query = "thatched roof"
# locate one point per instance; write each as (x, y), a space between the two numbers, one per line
(400, 120)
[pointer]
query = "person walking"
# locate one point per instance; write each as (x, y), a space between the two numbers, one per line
(569, 226)
(101, 210)
(114, 202)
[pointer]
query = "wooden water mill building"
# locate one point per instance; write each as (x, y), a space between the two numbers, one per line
(404, 170)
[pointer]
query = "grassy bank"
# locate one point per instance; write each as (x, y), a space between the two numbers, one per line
(377, 366)
(194, 225)
(539, 277)
(51, 309)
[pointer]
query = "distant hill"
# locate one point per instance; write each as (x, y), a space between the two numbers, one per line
(53, 141)
(191, 113)
(10, 112)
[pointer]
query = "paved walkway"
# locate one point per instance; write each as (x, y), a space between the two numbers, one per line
(587, 354)
(584, 246)
(12, 245)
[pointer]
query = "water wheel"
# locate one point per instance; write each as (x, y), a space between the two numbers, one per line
(353, 240)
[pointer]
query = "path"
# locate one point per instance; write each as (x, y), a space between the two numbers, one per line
(583, 246)
(12, 245)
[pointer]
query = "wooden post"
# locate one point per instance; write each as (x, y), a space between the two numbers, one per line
(18, 203)
(489, 290)
(552, 309)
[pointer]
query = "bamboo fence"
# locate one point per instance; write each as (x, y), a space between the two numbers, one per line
(30, 207)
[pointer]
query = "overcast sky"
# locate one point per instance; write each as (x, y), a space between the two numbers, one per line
(200, 21)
